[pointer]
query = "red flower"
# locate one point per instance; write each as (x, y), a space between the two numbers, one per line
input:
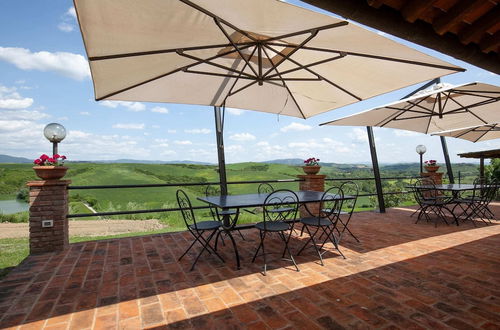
(56, 156)
(44, 157)
(37, 161)
(63, 157)
(51, 160)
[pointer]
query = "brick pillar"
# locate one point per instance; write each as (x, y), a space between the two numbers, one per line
(436, 177)
(315, 182)
(48, 201)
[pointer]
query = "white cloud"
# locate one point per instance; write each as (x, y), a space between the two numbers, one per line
(235, 112)
(129, 126)
(400, 132)
(70, 65)
(263, 144)
(198, 131)
(31, 115)
(242, 137)
(296, 127)
(160, 110)
(234, 148)
(171, 131)
(85, 113)
(68, 23)
(131, 106)
(183, 143)
(10, 99)
(65, 27)
(359, 135)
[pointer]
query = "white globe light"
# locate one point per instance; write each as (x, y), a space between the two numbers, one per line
(54, 132)
(421, 149)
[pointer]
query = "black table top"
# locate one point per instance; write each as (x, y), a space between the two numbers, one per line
(450, 187)
(252, 200)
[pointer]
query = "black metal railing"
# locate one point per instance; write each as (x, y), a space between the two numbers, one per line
(98, 214)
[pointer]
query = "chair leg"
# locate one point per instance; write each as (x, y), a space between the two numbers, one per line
(347, 228)
(206, 246)
(282, 235)
(307, 242)
(331, 234)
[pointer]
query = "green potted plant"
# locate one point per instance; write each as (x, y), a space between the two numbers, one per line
(50, 168)
(311, 166)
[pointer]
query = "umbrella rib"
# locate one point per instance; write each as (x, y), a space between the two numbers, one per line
(237, 79)
(160, 76)
(162, 51)
(285, 85)
(218, 23)
(202, 61)
(386, 58)
(206, 73)
(242, 88)
(430, 117)
(467, 109)
(314, 33)
(320, 76)
(308, 65)
(485, 132)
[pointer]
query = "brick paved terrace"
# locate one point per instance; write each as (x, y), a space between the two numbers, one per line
(401, 275)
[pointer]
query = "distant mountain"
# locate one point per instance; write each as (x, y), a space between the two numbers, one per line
(15, 160)
(288, 161)
(140, 161)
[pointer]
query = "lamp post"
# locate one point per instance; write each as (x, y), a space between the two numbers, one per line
(55, 133)
(421, 149)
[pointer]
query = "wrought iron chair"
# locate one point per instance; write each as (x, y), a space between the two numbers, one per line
(218, 214)
(327, 221)
(197, 228)
(265, 188)
(430, 200)
(349, 188)
(476, 205)
(279, 215)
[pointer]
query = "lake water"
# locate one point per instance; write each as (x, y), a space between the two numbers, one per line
(13, 206)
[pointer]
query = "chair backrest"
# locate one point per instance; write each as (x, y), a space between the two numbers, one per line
(280, 205)
(491, 192)
(423, 194)
(186, 208)
(213, 190)
(350, 188)
(331, 204)
(265, 188)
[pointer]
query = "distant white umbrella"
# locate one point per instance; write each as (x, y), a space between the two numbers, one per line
(475, 133)
(438, 109)
(263, 55)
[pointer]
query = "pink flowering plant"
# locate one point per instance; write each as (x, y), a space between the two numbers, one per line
(311, 161)
(44, 160)
(430, 162)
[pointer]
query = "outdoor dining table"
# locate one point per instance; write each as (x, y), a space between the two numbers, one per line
(455, 188)
(255, 200)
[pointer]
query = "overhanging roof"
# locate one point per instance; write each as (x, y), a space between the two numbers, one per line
(495, 153)
(468, 30)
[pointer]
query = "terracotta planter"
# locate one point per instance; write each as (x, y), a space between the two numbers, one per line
(431, 168)
(314, 169)
(50, 172)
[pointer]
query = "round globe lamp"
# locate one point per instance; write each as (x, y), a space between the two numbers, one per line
(421, 149)
(55, 133)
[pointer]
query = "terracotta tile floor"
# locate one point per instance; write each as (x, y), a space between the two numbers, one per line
(401, 275)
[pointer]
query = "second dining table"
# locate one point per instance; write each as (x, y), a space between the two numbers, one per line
(238, 202)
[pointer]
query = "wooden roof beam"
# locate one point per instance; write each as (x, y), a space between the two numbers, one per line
(446, 21)
(490, 43)
(479, 27)
(414, 9)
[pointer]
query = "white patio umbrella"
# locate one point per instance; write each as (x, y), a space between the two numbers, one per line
(438, 109)
(263, 55)
(475, 133)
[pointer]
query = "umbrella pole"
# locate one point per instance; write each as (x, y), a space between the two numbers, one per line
(447, 159)
(376, 171)
(219, 132)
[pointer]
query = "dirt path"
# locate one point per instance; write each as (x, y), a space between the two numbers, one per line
(87, 228)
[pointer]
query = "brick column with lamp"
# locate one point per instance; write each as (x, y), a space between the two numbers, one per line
(48, 224)
(315, 182)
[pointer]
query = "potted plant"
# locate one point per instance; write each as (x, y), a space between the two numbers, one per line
(311, 166)
(50, 168)
(430, 165)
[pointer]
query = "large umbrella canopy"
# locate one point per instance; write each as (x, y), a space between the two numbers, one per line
(437, 109)
(262, 55)
(475, 133)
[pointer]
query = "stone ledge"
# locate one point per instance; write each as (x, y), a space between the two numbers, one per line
(44, 183)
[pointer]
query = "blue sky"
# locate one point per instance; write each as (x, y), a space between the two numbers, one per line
(44, 77)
